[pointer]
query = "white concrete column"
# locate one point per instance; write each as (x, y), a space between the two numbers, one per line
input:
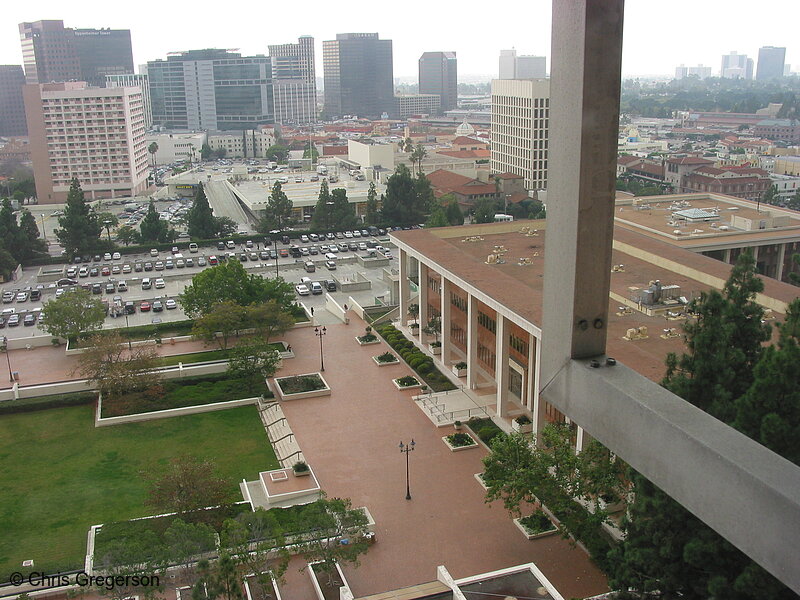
(755, 253)
(727, 258)
(579, 440)
(781, 258)
(444, 309)
(537, 404)
(530, 376)
(405, 292)
(501, 365)
(422, 298)
(472, 342)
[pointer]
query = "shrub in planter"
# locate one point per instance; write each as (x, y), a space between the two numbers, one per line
(459, 440)
(537, 523)
(460, 365)
(301, 468)
(523, 420)
(436, 344)
(407, 380)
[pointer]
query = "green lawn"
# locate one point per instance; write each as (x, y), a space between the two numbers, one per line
(203, 356)
(60, 474)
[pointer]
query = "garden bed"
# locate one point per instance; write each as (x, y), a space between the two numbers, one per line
(420, 362)
(327, 585)
(309, 385)
(140, 332)
(385, 359)
(459, 441)
(485, 429)
(367, 340)
(180, 393)
(535, 525)
(409, 382)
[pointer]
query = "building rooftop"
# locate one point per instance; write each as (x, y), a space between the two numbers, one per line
(517, 281)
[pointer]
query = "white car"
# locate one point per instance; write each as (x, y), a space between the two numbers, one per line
(171, 304)
(116, 256)
(160, 284)
(302, 289)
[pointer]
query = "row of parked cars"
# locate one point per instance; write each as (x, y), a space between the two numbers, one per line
(27, 319)
(20, 296)
(307, 287)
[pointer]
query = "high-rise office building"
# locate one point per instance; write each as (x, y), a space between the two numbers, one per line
(211, 90)
(770, 62)
(294, 81)
(736, 66)
(134, 80)
(519, 130)
(96, 135)
(48, 52)
(103, 52)
(521, 67)
(52, 52)
(438, 74)
(12, 107)
(359, 76)
(699, 71)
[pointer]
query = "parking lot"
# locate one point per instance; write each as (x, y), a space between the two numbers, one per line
(176, 277)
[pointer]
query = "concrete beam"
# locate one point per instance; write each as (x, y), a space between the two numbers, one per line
(748, 494)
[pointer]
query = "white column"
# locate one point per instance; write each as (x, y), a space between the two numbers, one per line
(530, 375)
(422, 298)
(537, 404)
(501, 365)
(579, 440)
(404, 286)
(444, 309)
(781, 258)
(727, 257)
(472, 342)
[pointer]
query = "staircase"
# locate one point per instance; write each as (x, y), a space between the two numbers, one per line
(280, 435)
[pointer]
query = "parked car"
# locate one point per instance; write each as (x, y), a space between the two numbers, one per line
(116, 256)
(105, 271)
(316, 288)
(13, 320)
(201, 262)
(171, 304)
(36, 295)
(145, 307)
(29, 320)
(158, 306)
(160, 285)
(122, 286)
(330, 265)
(329, 285)
(302, 289)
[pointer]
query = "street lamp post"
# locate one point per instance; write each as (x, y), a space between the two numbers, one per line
(8, 187)
(44, 232)
(4, 347)
(320, 333)
(406, 449)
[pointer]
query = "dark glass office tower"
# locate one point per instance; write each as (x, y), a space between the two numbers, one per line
(103, 52)
(48, 52)
(12, 105)
(359, 76)
(770, 62)
(438, 74)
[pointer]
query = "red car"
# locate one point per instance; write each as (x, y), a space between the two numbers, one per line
(145, 307)
(284, 252)
(105, 271)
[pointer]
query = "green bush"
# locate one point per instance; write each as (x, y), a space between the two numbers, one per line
(45, 402)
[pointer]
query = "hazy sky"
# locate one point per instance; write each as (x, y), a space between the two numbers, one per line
(659, 34)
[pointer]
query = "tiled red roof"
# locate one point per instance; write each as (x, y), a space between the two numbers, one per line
(709, 170)
(466, 141)
(444, 182)
(690, 160)
(466, 153)
(627, 160)
(442, 178)
(334, 150)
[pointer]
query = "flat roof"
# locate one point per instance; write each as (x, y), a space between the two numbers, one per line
(659, 217)
(517, 283)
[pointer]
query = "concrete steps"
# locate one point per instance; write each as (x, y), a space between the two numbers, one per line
(280, 435)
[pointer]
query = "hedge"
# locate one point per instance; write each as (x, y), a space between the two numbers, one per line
(421, 363)
(141, 332)
(46, 402)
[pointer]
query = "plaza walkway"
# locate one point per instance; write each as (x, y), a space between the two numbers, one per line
(351, 438)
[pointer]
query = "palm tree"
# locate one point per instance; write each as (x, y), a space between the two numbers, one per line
(152, 149)
(418, 155)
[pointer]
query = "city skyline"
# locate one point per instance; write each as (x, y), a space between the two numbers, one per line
(738, 28)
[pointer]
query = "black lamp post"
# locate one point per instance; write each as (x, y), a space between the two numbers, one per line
(319, 333)
(406, 449)
(4, 346)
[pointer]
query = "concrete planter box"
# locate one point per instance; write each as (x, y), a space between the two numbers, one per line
(279, 393)
(526, 428)
(459, 372)
(612, 507)
(479, 478)
(251, 595)
(385, 364)
(407, 387)
(435, 349)
(534, 536)
(377, 340)
(316, 578)
(474, 444)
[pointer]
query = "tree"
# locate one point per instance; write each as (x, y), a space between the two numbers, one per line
(484, 211)
(205, 151)
(187, 484)
(80, 229)
(152, 149)
(437, 218)
(407, 200)
(29, 242)
(76, 312)
(225, 226)
(771, 195)
(794, 201)
(269, 319)
(343, 214)
(313, 153)
(321, 219)
(200, 218)
(115, 369)
(794, 276)
(413, 311)
(278, 211)
(127, 234)
(229, 281)
(7, 264)
(221, 152)
(452, 210)
(417, 156)
(219, 581)
(278, 152)
(225, 318)
(255, 541)
(135, 566)
(769, 412)
(153, 228)
(332, 520)
(372, 215)
(184, 542)
(254, 361)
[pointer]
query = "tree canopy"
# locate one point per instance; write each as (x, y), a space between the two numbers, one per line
(229, 281)
(407, 200)
(186, 484)
(19, 239)
(200, 218)
(76, 312)
(80, 228)
(153, 228)
(278, 211)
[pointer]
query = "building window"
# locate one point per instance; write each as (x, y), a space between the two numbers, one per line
(486, 355)
(458, 334)
(435, 285)
(518, 344)
(459, 302)
(487, 322)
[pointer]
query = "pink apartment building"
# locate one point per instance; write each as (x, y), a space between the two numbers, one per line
(94, 134)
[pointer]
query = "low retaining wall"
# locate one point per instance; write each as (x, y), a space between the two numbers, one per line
(167, 413)
(33, 341)
(336, 309)
(149, 342)
(353, 285)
